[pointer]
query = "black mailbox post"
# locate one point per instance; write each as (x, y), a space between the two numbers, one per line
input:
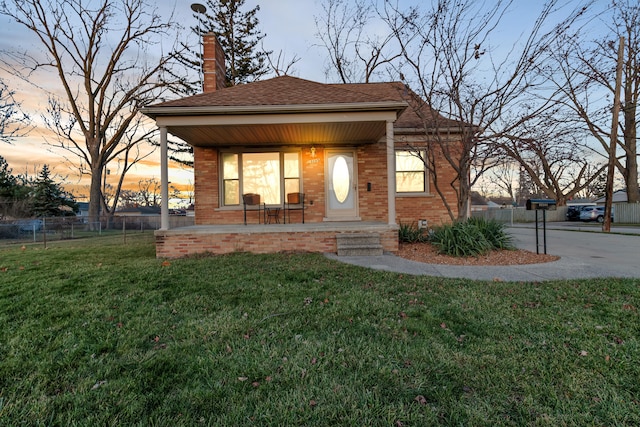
(543, 205)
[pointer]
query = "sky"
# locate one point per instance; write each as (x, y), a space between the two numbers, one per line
(289, 26)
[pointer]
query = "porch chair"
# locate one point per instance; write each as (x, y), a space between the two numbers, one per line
(294, 202)
(251, 202)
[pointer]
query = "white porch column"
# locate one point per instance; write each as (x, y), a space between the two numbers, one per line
(391, 173)
(164, 179)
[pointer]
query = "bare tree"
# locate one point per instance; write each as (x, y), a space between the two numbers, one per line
(504, 177)
(559, 173)
(552, 152)
(584, 73)
(102, 55)
(13, 122)
(448, 60)
(148, 193)
(355, 55)
(278, 64)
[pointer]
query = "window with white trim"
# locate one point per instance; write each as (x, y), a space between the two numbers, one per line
(411, 173)
(270, 174)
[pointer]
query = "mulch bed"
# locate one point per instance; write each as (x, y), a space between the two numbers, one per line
(427, 253)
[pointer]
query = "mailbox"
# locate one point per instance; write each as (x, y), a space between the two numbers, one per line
(541, 204)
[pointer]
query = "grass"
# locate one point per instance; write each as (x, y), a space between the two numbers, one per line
(101, 333)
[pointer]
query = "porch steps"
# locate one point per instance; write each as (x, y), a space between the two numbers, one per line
(359, 244)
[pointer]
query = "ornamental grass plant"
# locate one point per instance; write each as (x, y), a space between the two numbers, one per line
(473, 237)
(411, 233)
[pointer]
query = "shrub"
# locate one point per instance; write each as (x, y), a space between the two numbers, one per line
(494, 232)
(460, 239)
(410, 233)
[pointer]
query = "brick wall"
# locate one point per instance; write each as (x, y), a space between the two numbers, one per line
(313, 184)
(176, 244)
(411, 208)
(372, 169)
(212, 63)
(205, 184)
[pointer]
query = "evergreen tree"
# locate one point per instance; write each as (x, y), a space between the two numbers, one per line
(7, 188)
(238, 34)
(48, 199)
(7, 180)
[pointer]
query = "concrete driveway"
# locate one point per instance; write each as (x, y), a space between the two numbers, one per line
(585, 251)
(583, 254)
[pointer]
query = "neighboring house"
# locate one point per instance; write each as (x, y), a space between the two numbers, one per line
(83, 209)
(345, 146)
(478, 202)
(580, 202)
(619, 196)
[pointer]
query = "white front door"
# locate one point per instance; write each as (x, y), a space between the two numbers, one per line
(341, 191)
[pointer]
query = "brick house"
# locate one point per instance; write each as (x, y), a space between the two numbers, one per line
(344, 147)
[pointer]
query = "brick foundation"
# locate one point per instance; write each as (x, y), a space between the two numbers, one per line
(259, 239)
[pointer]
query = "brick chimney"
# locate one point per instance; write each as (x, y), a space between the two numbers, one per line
(212, 64)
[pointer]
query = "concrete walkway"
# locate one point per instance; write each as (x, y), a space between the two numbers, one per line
(583, 254)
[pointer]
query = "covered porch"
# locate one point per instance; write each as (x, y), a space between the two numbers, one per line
(277, 138)
(271, 238)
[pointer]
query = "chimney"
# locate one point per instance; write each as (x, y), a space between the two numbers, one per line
(212, 64)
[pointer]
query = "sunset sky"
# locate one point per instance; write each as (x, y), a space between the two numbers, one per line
(289, 27)
(28, 154)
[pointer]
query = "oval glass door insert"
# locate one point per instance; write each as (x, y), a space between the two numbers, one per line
(341, 179)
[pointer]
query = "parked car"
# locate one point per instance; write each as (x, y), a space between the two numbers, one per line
(573, 212)
(593, 213)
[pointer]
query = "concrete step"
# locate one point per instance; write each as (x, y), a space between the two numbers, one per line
(359, 244)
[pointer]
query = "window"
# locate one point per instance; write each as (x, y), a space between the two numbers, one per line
(272, 175)
(291, 173)
(230, 179)
(411, 174)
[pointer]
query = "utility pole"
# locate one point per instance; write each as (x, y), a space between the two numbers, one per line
(606, 224)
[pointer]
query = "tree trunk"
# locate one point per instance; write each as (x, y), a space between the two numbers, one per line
(463, 197)
(95, 197)
(632, 179)
(630, 133)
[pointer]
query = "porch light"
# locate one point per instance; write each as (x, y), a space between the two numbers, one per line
(313, 151)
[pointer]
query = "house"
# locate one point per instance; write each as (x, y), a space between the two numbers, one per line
(344, 146)
(619, 196)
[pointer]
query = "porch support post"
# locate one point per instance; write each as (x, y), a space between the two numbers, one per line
(164, 179)
(391, 174)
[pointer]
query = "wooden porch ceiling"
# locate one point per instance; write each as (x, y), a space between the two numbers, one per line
(281, 133)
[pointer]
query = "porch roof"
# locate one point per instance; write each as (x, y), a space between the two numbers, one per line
(284, 110)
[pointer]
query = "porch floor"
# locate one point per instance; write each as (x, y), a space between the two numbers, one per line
(267, 238)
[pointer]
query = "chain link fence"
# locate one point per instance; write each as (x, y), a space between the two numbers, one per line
(35, 230)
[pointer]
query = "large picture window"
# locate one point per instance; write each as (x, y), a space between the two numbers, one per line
(270, 174)
(411, 176)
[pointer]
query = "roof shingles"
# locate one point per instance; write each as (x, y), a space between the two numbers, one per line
(291, 91)
(283, 90)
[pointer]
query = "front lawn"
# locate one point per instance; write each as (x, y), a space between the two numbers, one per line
(100, 333)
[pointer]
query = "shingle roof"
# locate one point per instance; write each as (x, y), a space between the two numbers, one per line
(283, 90)
(416, 116)
(292, 91)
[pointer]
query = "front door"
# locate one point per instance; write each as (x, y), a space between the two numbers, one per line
(341, 191)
